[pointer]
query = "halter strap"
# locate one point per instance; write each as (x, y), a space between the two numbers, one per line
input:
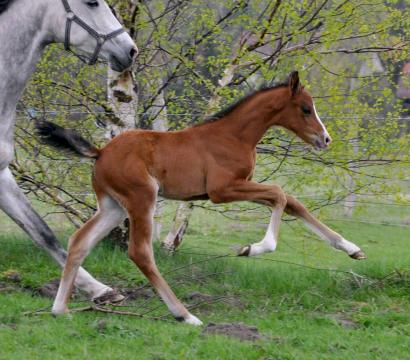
(100, 38)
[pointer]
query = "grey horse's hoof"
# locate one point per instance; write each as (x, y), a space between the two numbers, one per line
(358, 255)
(245, 251)
(110, 297)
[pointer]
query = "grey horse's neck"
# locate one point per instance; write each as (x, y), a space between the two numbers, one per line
(23, 36)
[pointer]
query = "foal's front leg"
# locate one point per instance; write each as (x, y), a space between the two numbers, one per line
(270, 195)
(296, 208)
(270, 240)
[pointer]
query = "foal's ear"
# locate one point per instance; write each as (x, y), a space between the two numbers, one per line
(294, 83)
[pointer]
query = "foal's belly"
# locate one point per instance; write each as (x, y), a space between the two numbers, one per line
(180, 185)
(180, 177)
(185, 198)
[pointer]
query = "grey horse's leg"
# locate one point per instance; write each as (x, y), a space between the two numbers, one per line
(16, 205)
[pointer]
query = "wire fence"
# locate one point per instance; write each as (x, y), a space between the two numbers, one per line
(320, 198)
(32, 114)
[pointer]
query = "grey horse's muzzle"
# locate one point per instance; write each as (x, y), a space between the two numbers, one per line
(100, 38)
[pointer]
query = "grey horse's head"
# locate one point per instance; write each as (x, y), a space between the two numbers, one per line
(120, 51)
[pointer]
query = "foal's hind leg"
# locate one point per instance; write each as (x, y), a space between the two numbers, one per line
(296, 208)
(109, 215)
(16, 205)
(141, 211)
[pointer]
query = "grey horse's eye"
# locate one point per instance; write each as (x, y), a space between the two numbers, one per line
(92, 4)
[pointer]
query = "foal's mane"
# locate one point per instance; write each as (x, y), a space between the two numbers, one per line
(224, 112)
(4, 4)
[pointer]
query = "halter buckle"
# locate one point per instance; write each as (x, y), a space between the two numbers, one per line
(70, 15)
(101, 40)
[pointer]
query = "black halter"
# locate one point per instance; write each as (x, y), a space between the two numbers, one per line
(100, 38)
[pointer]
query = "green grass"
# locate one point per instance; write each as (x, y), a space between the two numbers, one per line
(302, 313)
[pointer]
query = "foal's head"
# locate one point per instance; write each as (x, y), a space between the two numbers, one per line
(299, 115)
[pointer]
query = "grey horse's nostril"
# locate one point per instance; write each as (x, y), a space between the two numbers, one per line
(133, 52)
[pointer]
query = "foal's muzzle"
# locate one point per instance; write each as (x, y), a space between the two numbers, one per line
(322, 141)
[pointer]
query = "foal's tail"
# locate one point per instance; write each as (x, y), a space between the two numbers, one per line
(65, 139)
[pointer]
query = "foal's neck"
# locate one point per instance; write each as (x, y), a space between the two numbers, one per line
(252, 119)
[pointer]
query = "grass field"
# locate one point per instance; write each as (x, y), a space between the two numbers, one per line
(301, 311)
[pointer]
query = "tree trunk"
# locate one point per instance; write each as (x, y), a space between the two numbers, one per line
(179, 226)
(122, 94)
(181, 218)
(159, 114)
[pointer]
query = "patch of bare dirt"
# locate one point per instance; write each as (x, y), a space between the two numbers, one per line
(11, 326)
(11, 276)
(346, 322)
(342, 319)
(236, 330)
(49, 289)
(137, 293)
(197, 296)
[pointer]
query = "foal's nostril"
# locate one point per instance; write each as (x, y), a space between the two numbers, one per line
(328, 140)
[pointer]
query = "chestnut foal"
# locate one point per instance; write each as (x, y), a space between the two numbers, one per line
(214, 160)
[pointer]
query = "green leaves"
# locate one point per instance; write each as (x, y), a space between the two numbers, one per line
(349, 55)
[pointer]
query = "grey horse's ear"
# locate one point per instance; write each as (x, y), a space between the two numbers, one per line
(294, 83)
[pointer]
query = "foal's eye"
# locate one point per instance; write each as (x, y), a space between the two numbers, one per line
(306, 110)
(92, 4)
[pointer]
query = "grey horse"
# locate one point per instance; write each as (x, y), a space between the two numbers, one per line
(26, 28)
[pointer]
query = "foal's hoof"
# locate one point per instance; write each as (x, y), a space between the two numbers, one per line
(110, 297)
(189, 319)
(245, 251)
(58, 312)
(358, 255)
(193, 320)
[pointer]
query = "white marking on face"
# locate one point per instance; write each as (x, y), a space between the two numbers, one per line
(325, 133)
